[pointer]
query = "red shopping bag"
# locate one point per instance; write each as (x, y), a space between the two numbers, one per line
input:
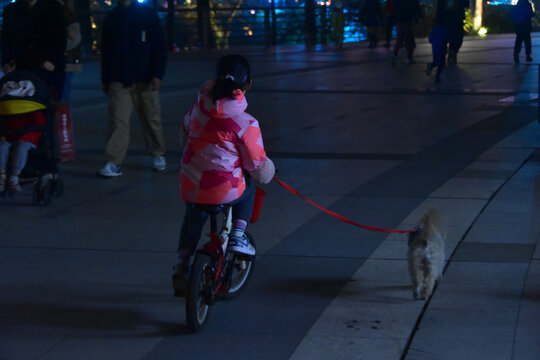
(64, 133)
(257, 206)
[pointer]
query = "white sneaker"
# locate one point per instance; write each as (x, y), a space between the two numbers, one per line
(159, 163)
(110, 170)
(241, 245)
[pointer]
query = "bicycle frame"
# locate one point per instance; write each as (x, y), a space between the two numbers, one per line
(217, 272)
(216, 248)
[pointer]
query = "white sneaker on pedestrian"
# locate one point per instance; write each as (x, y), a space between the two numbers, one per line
(110, 170)
(159, 163)
(241, 245)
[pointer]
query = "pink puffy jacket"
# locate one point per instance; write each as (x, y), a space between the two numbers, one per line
(220, 141)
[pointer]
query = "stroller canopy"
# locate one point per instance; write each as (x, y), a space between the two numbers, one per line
(22, 92)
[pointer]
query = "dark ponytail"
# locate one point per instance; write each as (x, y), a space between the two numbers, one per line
(233, 72)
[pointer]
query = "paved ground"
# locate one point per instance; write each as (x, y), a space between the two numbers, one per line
(88, 277)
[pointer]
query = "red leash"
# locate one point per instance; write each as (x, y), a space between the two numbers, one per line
(338, 216)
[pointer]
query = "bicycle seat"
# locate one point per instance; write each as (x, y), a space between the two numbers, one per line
(211, 209)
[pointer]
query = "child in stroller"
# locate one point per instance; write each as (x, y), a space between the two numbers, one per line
(27, 123)
(13, 135)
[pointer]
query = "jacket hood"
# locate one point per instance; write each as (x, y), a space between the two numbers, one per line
(226, 107)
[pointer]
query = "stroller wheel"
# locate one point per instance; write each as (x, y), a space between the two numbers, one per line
(42, 193)
(58, 187)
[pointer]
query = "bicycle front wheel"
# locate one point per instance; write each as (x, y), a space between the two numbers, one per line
(241, 270)
(197, 311)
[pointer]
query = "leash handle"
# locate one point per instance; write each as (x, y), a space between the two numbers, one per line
(336, 215)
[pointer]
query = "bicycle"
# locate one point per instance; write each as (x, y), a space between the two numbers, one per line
(217, 273)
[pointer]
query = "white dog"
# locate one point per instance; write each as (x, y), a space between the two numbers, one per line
(426, 254)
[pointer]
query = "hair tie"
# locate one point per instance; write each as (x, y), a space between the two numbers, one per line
(229, 77)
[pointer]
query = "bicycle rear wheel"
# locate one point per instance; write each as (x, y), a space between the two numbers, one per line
(242, 268)
(197, 311)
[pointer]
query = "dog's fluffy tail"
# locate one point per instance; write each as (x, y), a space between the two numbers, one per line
(433, 221)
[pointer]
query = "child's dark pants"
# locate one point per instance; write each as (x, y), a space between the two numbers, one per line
(195, 217)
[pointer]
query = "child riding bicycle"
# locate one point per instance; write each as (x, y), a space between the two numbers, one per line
(223, 150)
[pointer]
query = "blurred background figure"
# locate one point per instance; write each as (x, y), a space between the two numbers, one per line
(390, 22)
(338, 23)
(73, 47)
(370, 16)
(454, 17)
(405, 13)
(439, 42)
(34, 39)
(522, 13)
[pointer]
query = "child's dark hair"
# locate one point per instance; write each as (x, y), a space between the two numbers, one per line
(233, 72)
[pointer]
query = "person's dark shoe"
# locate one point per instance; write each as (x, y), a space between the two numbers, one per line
(529, 58)
(516, 58)
(180, 276)
(438, 79)
(429, 69)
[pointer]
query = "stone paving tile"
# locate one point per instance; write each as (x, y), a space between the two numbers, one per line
(505, 155)
(330, 347)
(485, 174)
(469, 188)
(527, 335)
(494, 252)
(436, 348)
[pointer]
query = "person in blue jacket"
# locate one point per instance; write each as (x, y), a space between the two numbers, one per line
(522, 13)
(133, 57)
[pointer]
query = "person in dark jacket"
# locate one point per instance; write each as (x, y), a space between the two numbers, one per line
(405, 13)
(453, 16)
(522, 13)
(132, 66)
(371, 14)
(34, 39)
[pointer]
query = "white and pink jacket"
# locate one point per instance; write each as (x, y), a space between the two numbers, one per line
(220, 140)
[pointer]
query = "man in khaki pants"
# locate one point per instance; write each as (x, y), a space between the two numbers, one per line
(133, 64)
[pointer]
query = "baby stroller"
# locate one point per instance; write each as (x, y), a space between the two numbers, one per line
(23, 93)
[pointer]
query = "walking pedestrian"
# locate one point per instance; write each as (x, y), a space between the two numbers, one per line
(370, 15)
(405, 13)
(522, 13)
(338, 23)
(34, 39)
(73, 47)
(132, 66)
(390, 21)
(438, 38)
(455, 15)
(439, 43)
